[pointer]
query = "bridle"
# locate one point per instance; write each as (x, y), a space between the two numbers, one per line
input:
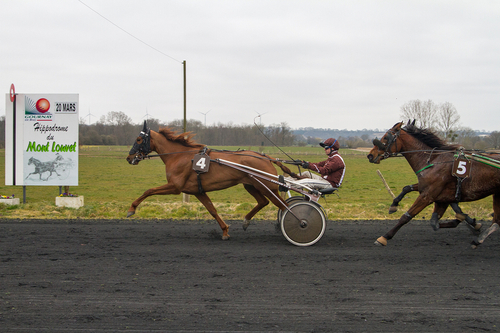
(141, 147)
(391, 138)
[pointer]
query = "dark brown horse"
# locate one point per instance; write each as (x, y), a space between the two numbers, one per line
(438, 212)
(432, 160)
(177, 152)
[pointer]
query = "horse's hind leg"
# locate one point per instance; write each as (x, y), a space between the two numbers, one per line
(261, 203)
(395, 203)
(205, 200)
(461, 216)
(439, 209)
(494, 226)
(272, 195)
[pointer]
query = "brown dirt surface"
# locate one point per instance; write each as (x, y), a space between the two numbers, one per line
(179, 276)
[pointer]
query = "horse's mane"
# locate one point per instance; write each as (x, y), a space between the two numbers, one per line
(185, 139)
(428, 137)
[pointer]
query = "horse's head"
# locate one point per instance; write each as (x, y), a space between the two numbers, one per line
(141, 147)
(387, 146)
(30, 161)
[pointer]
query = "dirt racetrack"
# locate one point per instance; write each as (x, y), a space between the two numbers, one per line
(171, 276)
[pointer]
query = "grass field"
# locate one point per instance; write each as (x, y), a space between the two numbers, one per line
(109, 185)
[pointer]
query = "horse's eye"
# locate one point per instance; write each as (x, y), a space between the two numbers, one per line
(139, 140)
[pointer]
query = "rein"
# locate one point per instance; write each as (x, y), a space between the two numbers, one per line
(262, 157)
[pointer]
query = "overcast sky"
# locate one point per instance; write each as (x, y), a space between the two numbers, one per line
(324, 64)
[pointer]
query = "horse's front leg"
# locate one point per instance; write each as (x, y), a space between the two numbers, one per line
(205, 200)
(395, 203)
(160, 190)
(419, 204)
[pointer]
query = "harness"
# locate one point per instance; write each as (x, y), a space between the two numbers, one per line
(201, 164)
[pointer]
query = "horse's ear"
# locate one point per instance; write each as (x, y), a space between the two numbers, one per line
(397, 126)
(145, 128)
(413, 123)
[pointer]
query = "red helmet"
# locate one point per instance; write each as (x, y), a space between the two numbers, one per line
(330, 143)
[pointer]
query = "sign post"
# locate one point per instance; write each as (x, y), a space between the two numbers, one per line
(41, 139)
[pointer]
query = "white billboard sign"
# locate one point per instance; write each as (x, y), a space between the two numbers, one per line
(41, 140)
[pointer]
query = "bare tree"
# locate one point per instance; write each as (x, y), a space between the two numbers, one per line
(425, 113)
(467, 137)
(494, 139)
(448, 120)
(118, 118)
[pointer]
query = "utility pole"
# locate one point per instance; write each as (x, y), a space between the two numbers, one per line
(184, 68)
(185, 197)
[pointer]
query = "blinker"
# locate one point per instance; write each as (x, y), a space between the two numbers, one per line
(379, 144)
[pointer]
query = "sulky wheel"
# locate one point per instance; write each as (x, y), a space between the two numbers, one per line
(305, 226)
(290, 201)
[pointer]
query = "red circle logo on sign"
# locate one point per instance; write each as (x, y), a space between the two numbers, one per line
(42, 105)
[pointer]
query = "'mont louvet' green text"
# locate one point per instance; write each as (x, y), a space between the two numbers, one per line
(34, 147)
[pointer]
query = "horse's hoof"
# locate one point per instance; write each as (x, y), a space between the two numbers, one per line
(246, 223)
(381, 241)
(226, 237)
(393, 209)
(481, 238)
(478, 226)
(129, 214)
(435, 226)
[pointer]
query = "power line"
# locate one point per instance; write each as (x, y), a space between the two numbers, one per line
(128, 33)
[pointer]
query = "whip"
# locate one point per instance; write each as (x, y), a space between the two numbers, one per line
(260, 130)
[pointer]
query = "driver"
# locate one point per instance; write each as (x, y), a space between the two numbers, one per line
(331, 170)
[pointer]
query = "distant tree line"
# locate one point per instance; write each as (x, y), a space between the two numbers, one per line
(116, 128)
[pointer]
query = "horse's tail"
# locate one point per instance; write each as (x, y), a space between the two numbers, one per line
(285, 169)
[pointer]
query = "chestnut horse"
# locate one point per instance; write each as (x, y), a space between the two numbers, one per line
(432, 160)
(177, 152)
